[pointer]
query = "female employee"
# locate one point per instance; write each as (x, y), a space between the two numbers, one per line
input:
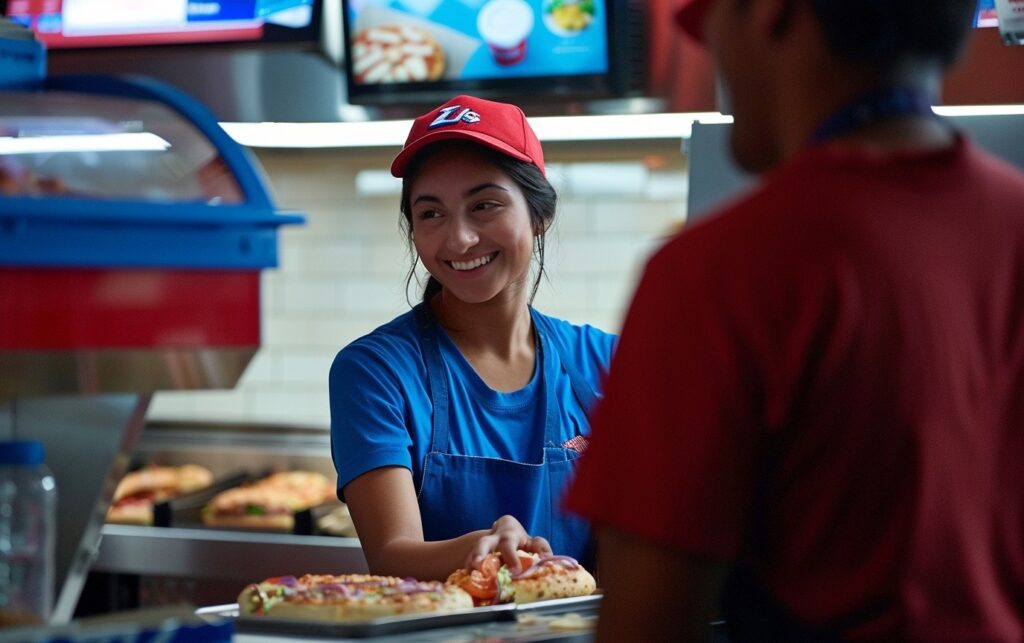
(455, 426)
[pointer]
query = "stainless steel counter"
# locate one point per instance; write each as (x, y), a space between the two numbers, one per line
(505, 632)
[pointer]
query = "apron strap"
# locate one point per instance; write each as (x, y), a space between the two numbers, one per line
(547, 339)
(584, 392)
(438, 384)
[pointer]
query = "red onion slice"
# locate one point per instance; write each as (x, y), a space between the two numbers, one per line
(566, 562)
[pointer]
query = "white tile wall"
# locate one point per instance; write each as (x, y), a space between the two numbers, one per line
(343, 274)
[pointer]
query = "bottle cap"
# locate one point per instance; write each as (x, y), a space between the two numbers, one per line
(22, 452)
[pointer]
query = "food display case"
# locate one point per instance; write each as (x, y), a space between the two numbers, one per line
(210, 566)
(181, 558)
(133, 232)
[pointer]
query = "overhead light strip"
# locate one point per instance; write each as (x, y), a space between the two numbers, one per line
(978, 110)
(124, 142)
(549, 128)
(393, 133)
(621, 126)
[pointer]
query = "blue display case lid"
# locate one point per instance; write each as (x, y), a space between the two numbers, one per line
(25, 453)
(108, 172)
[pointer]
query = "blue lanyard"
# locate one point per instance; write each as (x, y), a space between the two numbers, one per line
(881, 105)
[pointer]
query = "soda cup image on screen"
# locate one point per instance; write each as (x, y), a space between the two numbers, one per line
(505, 26)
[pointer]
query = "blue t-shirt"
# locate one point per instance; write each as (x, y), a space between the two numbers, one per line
(381, 410)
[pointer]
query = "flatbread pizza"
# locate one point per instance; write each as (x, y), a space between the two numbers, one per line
(269, 503)
(140, 490)
(540, 578)
(348, 597)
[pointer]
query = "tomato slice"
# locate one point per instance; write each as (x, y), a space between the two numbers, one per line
(489, 568)
(479, 586)
(482, 584)
(526, 561)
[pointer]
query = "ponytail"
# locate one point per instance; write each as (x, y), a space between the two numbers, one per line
(433, 287)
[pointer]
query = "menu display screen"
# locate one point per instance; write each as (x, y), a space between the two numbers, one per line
(104, 23)
(985, 15)
(459, 43)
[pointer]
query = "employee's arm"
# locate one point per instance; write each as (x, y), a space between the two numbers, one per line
(387, 517)
(655, 593)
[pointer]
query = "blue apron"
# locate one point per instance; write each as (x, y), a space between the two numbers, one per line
(459, 494)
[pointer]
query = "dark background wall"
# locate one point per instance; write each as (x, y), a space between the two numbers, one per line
(303, 84)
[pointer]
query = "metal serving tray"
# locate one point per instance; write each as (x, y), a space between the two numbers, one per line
(400, 624)
(373, 627)
(578, 604)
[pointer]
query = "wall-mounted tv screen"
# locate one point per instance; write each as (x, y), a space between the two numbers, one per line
(985, 14)
(107, 23)
(422, 50)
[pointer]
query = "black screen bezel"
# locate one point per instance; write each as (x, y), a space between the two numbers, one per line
(580, 86)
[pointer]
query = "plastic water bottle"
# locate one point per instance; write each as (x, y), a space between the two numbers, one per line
(28, 527)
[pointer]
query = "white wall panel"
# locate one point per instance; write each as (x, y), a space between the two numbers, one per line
(343, 274)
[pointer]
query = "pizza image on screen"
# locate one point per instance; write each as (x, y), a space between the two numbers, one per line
(348, 597)
(393, 53)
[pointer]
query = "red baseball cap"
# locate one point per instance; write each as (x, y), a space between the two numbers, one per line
(499, 126)
(691, 15)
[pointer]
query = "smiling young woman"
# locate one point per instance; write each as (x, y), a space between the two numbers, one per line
(471, 225)
(456, 426)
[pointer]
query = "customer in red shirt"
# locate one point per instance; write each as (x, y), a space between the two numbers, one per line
(814, 421)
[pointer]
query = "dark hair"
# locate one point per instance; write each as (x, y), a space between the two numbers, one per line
(880, 31)
(540, 198)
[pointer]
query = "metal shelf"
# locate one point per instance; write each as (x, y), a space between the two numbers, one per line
(198, 437)
(223, 554)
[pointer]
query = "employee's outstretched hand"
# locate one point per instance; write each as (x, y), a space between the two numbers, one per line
(506, 536)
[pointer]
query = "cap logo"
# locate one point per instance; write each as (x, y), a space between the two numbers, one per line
(448, 116)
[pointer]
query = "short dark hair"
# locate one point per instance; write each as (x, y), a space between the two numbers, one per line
(877, 31)
(541, 199)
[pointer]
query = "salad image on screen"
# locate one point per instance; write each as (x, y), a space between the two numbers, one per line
(569, 16)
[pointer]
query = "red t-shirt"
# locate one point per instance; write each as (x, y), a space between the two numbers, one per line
(825, 382)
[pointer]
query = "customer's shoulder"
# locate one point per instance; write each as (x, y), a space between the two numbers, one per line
(757, 224)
